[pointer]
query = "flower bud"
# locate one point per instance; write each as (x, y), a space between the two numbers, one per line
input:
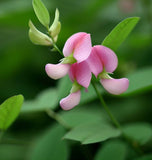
(55, 27)
(38, 37)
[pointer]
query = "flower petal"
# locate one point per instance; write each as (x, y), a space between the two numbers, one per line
(56, 71)
(70, 101)
(81, 73)
(115, 86)
(71, 43)
(108, 58)
(94, 63)
(83, 48)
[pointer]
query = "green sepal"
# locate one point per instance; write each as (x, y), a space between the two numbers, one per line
(75, 87)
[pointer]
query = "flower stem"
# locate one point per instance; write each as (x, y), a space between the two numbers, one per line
(58, 118)
(113, 119)
(55, 46)
(136, 147)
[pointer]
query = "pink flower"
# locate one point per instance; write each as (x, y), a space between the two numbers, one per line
(80, 75)
(102, 61)
(76, 49)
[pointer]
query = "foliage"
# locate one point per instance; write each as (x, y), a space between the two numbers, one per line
(35, 134)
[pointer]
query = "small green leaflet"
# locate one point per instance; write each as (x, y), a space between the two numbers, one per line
(139, 81)
(41, 12)
(120, 33)
(47, 99)
(9, 110)
(92, 132)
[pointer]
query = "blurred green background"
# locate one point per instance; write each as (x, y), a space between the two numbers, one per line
(22, 63)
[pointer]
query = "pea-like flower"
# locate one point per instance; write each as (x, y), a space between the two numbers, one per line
(76, 49)
(102, 61)
(80, 75)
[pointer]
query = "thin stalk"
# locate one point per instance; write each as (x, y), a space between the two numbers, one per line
(57, 117)
(55, 46)
(135, 146)
(113, 119)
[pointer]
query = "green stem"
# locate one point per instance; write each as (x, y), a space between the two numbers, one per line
(135, 146)
(58, 118)
(55, 46)
(113, 119)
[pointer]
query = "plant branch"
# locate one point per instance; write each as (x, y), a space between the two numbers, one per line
(135, 146)
(58, 118)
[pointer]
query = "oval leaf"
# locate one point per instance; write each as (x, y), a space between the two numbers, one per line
(9, 110)
(117, 150)
(85, 114)
(120, 33)
(140, 81)
(92, 133)
(51, 146)
(47, 99)
(41, 12)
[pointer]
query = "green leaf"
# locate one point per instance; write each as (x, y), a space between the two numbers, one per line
(79, 116)
(41, 12)
(47, 99)
(140, 132)
(120, 33)
(92, 132)
(116, 150)
(140, 81)
(51, 145)
(9, 110)
(146, 157)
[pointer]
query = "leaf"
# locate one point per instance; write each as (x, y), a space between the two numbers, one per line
(120, 33)
(146, 157)
(139, 132)
(140, 81)
(92, 132)
(79, 116)
(51, 146)
(112, 150)
(41, 12)
(47, 99)
(9, 110)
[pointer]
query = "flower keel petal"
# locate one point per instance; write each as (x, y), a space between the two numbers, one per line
(70, 101)
(56, 71)
(115, 86)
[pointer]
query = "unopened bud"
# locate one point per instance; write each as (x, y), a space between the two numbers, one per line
(55, 27)
(38, 37)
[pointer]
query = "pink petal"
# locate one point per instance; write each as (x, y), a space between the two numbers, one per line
(71, 43)
(70, 101)
(108, 58)
(94, 62)
(56, 71)
(115, 86)
(81, 73)
(83, 48)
